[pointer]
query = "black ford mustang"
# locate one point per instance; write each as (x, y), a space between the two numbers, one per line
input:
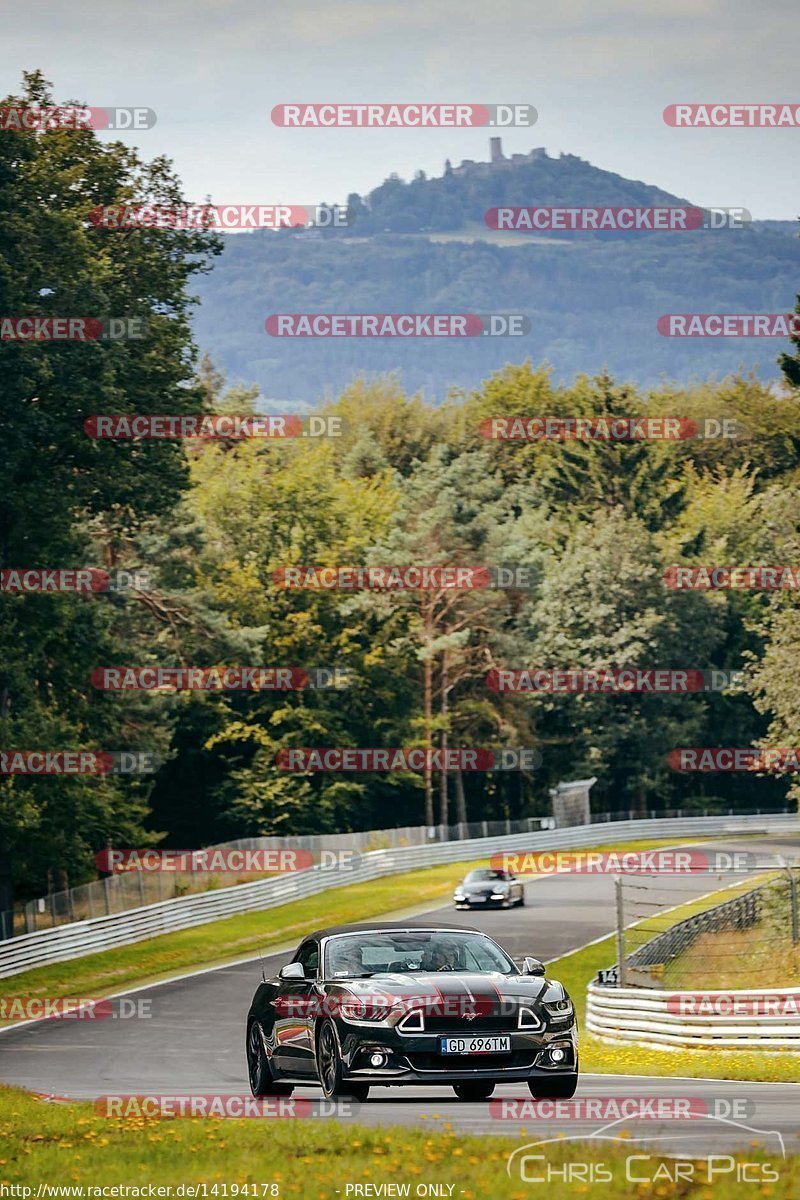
(408, 1003)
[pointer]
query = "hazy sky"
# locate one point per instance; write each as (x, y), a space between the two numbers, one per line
(599, 73)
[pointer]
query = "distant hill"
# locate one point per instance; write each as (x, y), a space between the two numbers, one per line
(593, 299)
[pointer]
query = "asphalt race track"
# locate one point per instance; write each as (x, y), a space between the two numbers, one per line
(194, 1039)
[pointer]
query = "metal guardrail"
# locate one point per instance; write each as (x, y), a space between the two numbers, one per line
(133, 889)
(621, 1016)
(120, 929)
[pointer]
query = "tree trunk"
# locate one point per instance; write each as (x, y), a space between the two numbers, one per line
(6, 897)
(444, 814)
(427, 706)
(461, 800)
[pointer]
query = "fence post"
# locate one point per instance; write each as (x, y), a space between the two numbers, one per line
(793, 899)
(621, 968)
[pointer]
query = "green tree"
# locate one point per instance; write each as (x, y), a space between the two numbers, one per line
(69, 500)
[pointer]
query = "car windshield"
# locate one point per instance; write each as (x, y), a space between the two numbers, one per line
(376, 952)
(484, 876)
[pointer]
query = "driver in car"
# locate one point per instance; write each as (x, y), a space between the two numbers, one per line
(443, 957)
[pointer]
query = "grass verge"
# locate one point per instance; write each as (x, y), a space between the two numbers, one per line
(70, 1145)
(578, 969)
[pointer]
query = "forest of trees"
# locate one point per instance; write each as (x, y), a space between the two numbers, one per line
(596, 523)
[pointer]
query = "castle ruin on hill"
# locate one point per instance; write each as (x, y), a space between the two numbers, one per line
(498, 161)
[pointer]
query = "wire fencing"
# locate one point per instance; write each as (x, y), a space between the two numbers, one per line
(668, 937)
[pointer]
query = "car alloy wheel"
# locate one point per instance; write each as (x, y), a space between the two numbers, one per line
(473, 1091)
(329, 1068)
(258, 1069)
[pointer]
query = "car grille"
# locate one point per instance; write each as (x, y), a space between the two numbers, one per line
(450, 1063)
(457, 1026)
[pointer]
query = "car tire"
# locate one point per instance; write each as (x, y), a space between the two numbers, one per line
(259, 1071)
(560, 1087)
(329, 1068)
(521, 901)
(473, 1091)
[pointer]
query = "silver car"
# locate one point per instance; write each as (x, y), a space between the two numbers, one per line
(486, 887)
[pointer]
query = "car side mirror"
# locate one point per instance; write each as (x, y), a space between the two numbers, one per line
(532, 966)
(292, 970)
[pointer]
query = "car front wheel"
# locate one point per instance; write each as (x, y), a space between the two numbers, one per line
(259, 1071)
(329, 1068)
(560, 1087)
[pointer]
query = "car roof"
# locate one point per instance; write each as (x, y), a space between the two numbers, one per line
(387, 926)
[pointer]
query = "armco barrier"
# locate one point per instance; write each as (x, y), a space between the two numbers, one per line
(633, 1015)
(135, 925)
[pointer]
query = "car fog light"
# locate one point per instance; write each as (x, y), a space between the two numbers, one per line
(557, 1055)
(379, 1060)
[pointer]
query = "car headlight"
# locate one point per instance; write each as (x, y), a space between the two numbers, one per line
(562, 1010)
(498, 895)
(360, 1013)
(458, 895)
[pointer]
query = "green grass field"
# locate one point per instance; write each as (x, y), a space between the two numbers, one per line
(72, 1146)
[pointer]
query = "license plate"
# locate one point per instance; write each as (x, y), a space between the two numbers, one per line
(476, 1045)
(477, 899)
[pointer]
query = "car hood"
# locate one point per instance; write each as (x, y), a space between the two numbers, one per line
(431, 985)
(482, 889)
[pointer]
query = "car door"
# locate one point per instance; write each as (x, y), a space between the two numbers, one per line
(296, 1004)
